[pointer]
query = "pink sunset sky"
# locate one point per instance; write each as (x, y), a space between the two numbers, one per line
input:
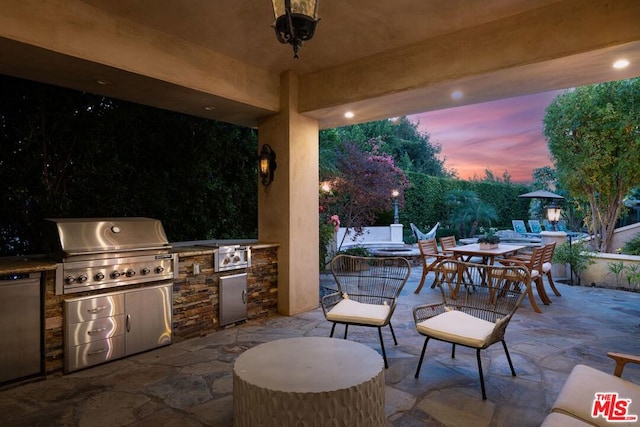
(503, 135)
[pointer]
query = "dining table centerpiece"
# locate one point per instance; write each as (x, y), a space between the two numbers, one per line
(489, 239)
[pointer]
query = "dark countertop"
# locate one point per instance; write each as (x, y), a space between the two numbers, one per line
(204, 247)
(25, 264)
(37, 263)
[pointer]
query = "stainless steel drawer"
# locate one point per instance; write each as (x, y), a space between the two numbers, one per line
(93, 353)
(94, 330)
(95, 307)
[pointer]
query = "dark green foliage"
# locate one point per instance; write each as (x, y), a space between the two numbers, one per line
(355, 251)
(632, 247)
(71, 154)
(425, 201)
(575, 254)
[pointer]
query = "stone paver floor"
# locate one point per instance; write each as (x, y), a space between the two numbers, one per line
(190, 383)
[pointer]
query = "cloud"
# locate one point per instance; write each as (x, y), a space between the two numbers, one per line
(504, 135)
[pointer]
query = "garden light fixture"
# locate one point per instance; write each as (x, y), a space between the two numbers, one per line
(295, 21)
(396, 218)
(553, 215)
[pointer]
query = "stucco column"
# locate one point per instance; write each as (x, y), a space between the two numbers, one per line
(288, 208)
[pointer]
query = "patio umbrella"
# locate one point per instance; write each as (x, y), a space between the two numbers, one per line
(541, 194)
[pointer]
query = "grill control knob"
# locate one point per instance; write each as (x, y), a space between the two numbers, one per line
(159, 269)
(69, 280)
(130, 272)
(115, 274)
(145, 271)
(236, 258)
(99, 276)
(226, 260)
(82, 278)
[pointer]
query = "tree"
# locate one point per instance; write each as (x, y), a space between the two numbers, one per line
(468, 211)
(593, 133)
(411, 150)
(363, 186)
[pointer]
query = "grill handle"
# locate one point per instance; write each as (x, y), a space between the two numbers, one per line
(128, 323)
(244, 296)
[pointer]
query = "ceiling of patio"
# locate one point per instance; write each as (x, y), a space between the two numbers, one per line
(377, 58)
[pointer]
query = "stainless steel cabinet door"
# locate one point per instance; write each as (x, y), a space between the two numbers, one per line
(20, 323)
(148, 318)
(233, 298)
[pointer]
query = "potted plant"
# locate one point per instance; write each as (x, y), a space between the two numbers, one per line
(489, 238)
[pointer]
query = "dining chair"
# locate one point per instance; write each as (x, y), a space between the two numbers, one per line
(448, 242)
(368, 290)
(474, 311)
(430, 256)
(533, 263)
(547, 264)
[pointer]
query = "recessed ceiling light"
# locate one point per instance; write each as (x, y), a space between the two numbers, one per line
(349, 114)
(209, 108)
(621, 63)
(104, 82)
(456, 94)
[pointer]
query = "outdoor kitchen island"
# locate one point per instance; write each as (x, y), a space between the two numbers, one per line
(195, 294)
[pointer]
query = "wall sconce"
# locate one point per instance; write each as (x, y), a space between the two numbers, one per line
(267, 164)
(295, 21)
(553, 214)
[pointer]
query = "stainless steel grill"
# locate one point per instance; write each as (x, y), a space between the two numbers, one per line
(101, 253)
(98, 253)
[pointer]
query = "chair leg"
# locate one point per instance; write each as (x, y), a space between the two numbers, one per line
(333, 328)
(513, 371)
(346, 328)
(384, 353)
(484, 393)
(534, 304)
(541, 292)
(395, 341)
(424, 276)
(453, 351)
(436, 279)
(424, 347)
(553, 286)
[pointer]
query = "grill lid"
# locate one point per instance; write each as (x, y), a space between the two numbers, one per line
(74, 236)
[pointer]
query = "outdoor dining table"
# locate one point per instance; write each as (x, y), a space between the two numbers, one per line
(465, 252)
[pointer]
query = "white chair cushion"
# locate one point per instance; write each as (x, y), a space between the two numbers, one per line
(546, 267)
(458, 327)
(350, 311)
(534, 274)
